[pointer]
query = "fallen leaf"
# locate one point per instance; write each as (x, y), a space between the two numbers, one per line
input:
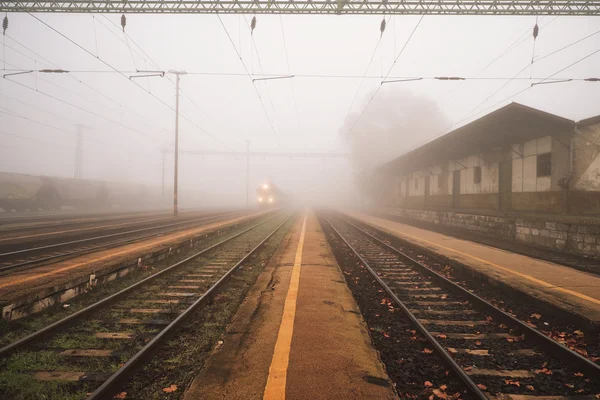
(170, 389)
(468, 368)
(570, 385)
(428, 384)
(578, 374)
(536, 316)
(481, 386)
(122, 395)
(427, 351)
(510, 340)
(443, 388)
(578, 333)
(477, 343)
(439, 394)
(529, 387)
(579, 391)
(511, 382)
(442, 336)
(545, 371)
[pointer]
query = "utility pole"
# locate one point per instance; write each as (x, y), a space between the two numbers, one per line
(175, 177)
(247, 172)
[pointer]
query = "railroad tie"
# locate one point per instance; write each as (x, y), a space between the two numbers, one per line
(115, 335)
(450, 322)
(89, 353)
(71, 376)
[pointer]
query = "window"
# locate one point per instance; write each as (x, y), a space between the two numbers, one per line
(439, 181)
(544, 164)
(477, 175)
(416, 183)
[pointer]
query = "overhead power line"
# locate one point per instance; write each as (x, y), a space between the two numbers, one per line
(151, 124)
(447, 130)
(388, 73)
(249, 77)
(125, 76)
(150, 61)
(593, 79)
(364, 76)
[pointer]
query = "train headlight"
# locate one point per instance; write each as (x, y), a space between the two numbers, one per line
(260, 199)
(265, 186)
(270, 199)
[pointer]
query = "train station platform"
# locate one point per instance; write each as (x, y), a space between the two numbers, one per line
(564, 287)
(297, 335)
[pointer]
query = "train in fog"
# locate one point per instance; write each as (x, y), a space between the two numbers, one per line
(22, 192)
(267, 194)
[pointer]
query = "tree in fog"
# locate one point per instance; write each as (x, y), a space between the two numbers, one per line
(396, 121)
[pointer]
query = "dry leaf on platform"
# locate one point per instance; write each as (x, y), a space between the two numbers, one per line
(170, 389)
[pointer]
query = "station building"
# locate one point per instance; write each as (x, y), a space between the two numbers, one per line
(512, 162)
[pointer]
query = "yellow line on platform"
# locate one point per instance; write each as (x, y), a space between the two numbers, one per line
(275, 388)
(503, 268)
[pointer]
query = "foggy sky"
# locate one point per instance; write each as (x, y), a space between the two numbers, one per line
(227, 106)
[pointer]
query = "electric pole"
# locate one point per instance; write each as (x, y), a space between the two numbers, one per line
(175, 177)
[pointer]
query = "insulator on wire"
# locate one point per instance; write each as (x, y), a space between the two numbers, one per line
(536, 31)
(123, 21)
(5, 24)
(382, 26)
(252, 25)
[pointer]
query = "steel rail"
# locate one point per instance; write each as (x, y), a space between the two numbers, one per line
(533, 335)
(50, 246)
(105, 245)
(4, 351)
(471, 385)
(112, 385)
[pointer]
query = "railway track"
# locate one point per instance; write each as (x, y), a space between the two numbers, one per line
(491, 351)
(95, 350)
(31, 257)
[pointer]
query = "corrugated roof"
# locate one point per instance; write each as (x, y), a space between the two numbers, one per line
(513, 123)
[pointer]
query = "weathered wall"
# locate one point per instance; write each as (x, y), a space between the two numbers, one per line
(586, 143)
(570, 234)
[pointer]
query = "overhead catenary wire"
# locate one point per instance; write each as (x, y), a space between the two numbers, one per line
(37, 140)
(125, 76)
(111, 99)
(467, 116)
(252, 26)
(289, 70)
(365, 74)
(36, 90)
(389, 70)
(521, 39)
(249, 77)
(447, 130)
(148, 59)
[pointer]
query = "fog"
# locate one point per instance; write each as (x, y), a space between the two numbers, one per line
(127, 122)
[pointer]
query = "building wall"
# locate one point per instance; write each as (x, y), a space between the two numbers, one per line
(586, 164)
(566, 233)
(573, 185)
